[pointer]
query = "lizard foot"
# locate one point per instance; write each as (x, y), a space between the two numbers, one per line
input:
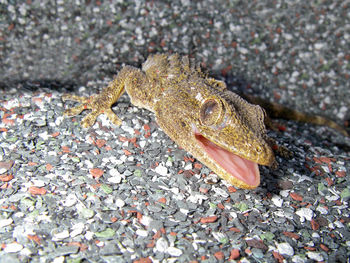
(90, 103)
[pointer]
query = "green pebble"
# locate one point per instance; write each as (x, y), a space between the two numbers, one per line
(109, 232)
(87, 213)
(241, 206)
(34, 213)
(345, 194)
(212, 205)
(137, 173)
(75, 159)
(74, 260)
(224, 240)
(321, 188)
(39, 144)
(267, 236)
(106, 189)
(27, 202)
(12, 139)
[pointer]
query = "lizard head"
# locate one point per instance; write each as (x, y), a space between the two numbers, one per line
(220, 129)
(232, 134)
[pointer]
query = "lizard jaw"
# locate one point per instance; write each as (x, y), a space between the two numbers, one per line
(241, 169)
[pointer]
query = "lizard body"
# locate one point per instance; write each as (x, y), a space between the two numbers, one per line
(215, 125)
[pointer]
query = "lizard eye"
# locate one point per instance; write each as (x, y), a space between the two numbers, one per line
(210, 112)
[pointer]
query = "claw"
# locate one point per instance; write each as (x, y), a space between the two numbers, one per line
(89, 119)
(75, 110)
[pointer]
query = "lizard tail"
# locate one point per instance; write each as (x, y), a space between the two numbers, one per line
(275, 110)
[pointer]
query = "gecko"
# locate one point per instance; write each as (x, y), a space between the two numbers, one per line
(218, 127)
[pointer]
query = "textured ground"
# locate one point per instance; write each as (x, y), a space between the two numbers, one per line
(128, 194)
(122, 194)
(294, 52)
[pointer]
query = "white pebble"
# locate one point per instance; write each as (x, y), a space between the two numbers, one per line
(26, 252)
(298, 259)
(220, 192)
(305, 213)
(59, 236)
(141, 232)
(39, 183)
(119, 203)
(114, 172)
(14, 103)
(89, 235)
(322, 210)
(58, 259)
(142, 144)
(162, 170)
(162, 245)
(315, 256)
(339, 224)
(284, 193)
(285, 249)
(288, 36)
(277, 200)
(70, 200)
(5, 222)
(315, 235)
(243, 50)
(13, 247)
(116, 176)
(44, 135)
(173, 251)
(146, 220)
(77, 229)
(100, 244)
(342, 112)
(319, 46)
(188, 166)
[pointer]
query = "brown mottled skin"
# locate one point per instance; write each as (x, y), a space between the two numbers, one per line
(189, 107)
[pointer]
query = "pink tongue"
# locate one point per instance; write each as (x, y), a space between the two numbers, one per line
(242, 169)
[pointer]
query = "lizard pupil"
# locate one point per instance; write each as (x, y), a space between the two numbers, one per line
(209, 109)
(210, 112)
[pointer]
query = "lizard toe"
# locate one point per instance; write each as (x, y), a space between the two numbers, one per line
(113, 117)
(89, 119)
(75, 110)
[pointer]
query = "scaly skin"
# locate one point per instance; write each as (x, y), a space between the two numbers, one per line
(191, 108)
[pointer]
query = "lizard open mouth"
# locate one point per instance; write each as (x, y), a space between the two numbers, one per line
(240, 168)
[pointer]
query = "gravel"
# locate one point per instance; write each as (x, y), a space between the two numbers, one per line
(292, 52)
(128, 193)
(72, 194)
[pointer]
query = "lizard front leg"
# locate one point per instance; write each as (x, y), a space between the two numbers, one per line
(100, 103)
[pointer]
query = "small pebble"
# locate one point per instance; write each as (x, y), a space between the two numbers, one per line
(5, 222)
(305, 213)
(173, 251)
(162, 245)
(277, 200)
(162, 170)
(315, 256)
(61, 235)
(13, 247)
(285, 249)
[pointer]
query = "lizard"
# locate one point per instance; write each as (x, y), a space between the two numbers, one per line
(218, 127)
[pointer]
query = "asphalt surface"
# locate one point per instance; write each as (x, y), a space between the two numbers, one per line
(128, 194)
